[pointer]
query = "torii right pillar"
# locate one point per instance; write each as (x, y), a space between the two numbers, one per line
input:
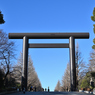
(72, 63)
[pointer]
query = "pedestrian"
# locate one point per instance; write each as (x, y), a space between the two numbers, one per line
(35, 88)
(48, 88)
(24, 90)
(45, 89)
(30, 88)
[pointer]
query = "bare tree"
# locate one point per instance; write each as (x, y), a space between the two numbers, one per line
(58, 86)
(81, 68)
(1, 79)
(32, 75)
(17, 69)
(91, 65)
(66, 79)
(33, 79)
(6, 53)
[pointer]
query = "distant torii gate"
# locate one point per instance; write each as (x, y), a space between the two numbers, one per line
(71, 46)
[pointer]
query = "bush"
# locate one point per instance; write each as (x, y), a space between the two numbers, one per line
(84, 83)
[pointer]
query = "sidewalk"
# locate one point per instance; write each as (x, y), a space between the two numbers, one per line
(2, 93)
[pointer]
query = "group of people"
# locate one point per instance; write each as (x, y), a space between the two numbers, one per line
(48, 89)
(31, 88)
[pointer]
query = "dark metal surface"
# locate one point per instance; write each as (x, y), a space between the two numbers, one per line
(25, 62)
(48, 45)
(72, 63)
(71, 46)
(48, 35)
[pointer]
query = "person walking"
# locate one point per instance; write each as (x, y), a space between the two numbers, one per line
(24, 90)
(35, 88)
(31, 88)
(48, 88)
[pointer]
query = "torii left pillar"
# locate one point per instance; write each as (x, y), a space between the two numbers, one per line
(25, 63)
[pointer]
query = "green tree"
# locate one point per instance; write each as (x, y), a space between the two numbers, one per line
(84, 83)
(1, 18)
(93, 19)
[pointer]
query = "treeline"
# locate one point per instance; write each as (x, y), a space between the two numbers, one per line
(10, 72)
(85, 73)
(33, 79)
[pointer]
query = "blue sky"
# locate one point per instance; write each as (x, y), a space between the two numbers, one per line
(43, 16)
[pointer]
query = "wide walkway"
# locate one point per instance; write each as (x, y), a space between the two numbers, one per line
(50, 93)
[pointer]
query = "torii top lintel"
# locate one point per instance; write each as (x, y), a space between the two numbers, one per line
(48, 35)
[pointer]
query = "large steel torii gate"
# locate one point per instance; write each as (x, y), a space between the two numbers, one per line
(71, 46)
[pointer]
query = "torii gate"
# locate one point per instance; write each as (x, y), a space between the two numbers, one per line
(71, 46)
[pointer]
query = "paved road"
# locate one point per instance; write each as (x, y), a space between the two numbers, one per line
(50, 93)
